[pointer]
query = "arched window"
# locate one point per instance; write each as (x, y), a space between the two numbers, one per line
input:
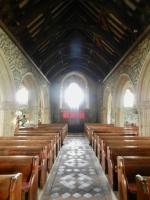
(128, 98)
(74, 95)
(22, 96)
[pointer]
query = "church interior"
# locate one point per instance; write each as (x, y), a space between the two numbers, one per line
(74, 99)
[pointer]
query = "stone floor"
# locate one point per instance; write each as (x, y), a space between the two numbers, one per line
(77, 174)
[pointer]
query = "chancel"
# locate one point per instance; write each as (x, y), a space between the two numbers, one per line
(77, 73)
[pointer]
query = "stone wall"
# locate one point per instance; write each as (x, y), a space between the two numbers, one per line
(19, 63)
(15, 65)
(131, 66)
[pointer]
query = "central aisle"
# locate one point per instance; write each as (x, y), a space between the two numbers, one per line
(77, 174)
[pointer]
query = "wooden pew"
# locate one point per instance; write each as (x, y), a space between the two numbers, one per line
(28, 166)
(55, 140)
(34, 133)
(29, 151)
(58, 127)
(29, 143)
(10, 186)
(128, 167)
(88, 125)
(106, 143)
(98, 138)
(113, 152)
(103, 130)
(143, 187)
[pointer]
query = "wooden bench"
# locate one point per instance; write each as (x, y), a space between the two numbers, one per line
(47, 129)
(128, 167)
(143, 187)
(29, 143)
(113, 130)
(55, 138)
(98, 138)
(106, 143)
(113, 152)
(29, 151)
(33, 133)
(28, 166)
(10, 186)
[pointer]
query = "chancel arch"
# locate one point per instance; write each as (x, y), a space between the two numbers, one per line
(81, 81)
(7, 98)
(123, 83)
(74, 106)
(32, 107)
(107, 102)
(143, 98)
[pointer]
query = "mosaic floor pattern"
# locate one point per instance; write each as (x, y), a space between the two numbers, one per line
(77, 174)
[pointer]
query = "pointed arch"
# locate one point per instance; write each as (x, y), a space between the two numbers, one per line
(28, 81)
(122, 84)
(143, 98)
(86, 92)
(7, 97)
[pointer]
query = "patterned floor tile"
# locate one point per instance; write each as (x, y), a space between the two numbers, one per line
(77, 174)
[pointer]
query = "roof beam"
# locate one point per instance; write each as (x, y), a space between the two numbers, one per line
(80, 25)
(43, 5)
(93, 75)
(79, 57)
(62, 46)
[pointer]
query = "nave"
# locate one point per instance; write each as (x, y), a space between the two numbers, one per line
(77, 174)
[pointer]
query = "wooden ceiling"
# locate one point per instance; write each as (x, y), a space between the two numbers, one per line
(87, 36)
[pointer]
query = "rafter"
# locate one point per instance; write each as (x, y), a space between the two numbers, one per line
(110, 6)
(94, 76)
(61, 60)
(85, 26)
(64, 45)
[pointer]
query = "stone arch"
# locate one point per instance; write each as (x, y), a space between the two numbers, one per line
(107, 100)
(7, 97)
(86, 91)
(143, 98)
(28, 81)
(45, 105)
(122, 84)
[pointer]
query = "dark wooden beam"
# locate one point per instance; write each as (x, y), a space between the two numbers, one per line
(70, 44)
(95, 77)
(43, 5)
(67, 58)
(85, 26)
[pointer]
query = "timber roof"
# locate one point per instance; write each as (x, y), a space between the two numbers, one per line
(87, 36)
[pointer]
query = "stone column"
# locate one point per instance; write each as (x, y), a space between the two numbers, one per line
(144, 118)
(7, 115)
(45, 115)
(119, 117)
(33, 114)
(104, 115)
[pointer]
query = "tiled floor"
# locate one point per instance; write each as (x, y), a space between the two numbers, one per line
(77, 174)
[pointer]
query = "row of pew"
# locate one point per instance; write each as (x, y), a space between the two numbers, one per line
(27, 158)
(124, 157)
